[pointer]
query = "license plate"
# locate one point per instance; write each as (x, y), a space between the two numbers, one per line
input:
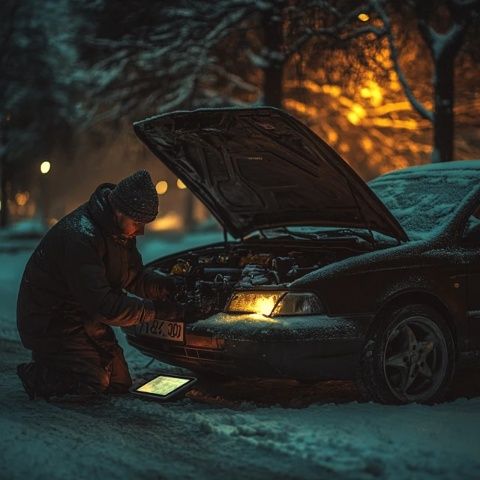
(162, 329)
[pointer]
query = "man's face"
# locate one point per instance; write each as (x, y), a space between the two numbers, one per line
(129, 227)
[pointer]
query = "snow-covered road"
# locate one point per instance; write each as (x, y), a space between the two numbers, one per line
(255, 429)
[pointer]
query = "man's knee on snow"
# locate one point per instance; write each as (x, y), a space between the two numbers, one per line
(113, 378)
(116, 387)
(96, 381)
(120, 380)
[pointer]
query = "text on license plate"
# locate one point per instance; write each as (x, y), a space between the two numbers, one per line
(162, 329)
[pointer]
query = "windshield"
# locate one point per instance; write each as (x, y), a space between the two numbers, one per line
(424, 202)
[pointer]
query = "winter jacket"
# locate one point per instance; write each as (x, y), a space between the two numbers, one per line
(78, 278)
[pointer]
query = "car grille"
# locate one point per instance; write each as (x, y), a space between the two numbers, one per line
(144, 343)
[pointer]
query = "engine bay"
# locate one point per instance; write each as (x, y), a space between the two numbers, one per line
(206, 278)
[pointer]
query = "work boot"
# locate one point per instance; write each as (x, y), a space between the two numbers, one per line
(27, 374)
(41, 382)
(75, 392)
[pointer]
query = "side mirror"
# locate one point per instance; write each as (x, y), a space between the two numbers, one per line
(471, 235)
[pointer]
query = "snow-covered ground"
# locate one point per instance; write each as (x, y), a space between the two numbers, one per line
(241, 429)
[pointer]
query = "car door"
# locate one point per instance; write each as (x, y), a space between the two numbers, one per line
(471, 248)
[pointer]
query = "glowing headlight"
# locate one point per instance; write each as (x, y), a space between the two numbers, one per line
(274, 303)
(254, 302)
(298, 304)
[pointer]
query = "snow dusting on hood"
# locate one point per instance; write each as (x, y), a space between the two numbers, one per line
(311, 327)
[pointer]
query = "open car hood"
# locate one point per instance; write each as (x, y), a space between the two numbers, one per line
(259, 168)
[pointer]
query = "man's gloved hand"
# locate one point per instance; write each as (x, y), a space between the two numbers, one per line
(189, 311)
(160, 286)
(174, 311)
(166, 310)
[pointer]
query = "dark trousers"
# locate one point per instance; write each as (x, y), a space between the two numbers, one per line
(81, 365)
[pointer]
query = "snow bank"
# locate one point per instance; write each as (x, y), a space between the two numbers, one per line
(11, 270)
(366, 439)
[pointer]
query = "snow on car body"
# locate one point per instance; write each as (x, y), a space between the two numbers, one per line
(324, 281)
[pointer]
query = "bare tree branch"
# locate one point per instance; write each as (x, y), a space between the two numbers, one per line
(423, 111)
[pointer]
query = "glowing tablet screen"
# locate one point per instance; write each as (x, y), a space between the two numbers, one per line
(163, 385)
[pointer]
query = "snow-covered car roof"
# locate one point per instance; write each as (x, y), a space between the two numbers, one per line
(458, 166)
(423, 198)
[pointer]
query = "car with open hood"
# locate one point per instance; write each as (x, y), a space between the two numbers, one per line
(326, 277)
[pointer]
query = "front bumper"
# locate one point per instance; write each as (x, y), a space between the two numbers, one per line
(304, 347)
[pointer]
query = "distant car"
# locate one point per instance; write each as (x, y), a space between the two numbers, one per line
(328, 278)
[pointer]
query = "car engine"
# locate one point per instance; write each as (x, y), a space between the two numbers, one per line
(207, 280)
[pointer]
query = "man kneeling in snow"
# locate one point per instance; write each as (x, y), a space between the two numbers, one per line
(74, 288)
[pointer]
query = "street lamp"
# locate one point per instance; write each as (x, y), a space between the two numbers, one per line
(45, 167)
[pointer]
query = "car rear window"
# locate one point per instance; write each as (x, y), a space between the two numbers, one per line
(423, 203)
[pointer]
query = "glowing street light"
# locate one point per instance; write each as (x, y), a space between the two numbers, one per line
(181, 185)
(161, 187)
(45, 167)
(363, 17)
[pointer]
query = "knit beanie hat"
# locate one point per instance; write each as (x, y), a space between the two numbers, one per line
(136, 197)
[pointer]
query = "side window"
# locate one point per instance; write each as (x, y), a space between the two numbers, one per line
(471, 234)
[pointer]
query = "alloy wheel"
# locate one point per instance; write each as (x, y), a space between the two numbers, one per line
(415, 359)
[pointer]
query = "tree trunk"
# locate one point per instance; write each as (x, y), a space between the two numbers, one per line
(443, 120)
(273, 45)
(444, 48)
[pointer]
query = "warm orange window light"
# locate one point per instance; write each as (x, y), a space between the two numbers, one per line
(181, 185)
(161, 187)
(21, 198)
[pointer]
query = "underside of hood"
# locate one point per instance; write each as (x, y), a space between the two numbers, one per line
(261, 168)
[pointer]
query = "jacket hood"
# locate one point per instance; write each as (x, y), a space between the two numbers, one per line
(101, 211)
(259, 168)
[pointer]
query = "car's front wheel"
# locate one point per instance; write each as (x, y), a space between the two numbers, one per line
(409, 357)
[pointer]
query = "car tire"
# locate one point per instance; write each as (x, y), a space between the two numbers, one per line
(408, 357)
